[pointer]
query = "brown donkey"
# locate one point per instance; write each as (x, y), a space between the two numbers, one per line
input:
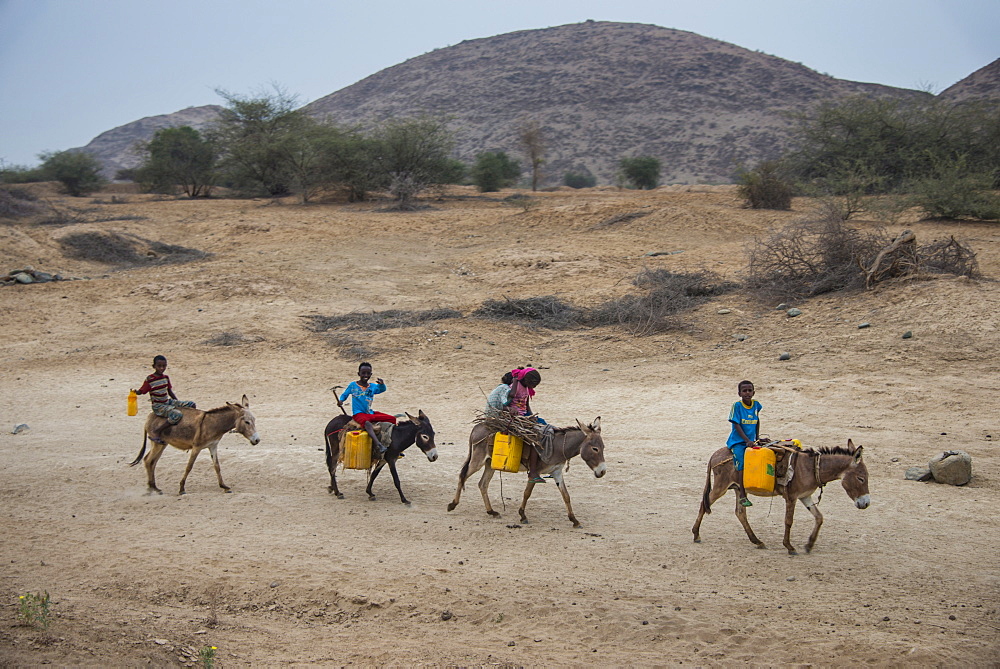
(196, 431)
(811, 470)
(568, 442)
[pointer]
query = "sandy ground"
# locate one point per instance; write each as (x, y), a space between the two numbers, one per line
(282, 573)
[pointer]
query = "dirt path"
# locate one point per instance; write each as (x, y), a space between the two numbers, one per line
(282, 573)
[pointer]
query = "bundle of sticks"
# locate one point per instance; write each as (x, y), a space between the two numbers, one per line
(524, 427)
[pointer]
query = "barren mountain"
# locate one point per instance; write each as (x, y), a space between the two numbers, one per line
(114, 148)
(601, 91)
(982, 84)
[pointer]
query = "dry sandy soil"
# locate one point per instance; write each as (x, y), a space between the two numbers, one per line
(282, 573)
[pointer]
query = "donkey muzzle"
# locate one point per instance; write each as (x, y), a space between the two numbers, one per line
(863, 501)
(432, 454)
(600, 470)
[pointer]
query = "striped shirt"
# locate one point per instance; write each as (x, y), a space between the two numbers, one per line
(158, 387)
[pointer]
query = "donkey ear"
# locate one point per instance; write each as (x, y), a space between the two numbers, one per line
(850, 443)
(420, 412)
(413, 419)
(246, 402)
(583, 428)
(857, 454)
(596, 424)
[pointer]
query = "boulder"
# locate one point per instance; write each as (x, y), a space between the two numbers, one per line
(918, 474)
(952, 467)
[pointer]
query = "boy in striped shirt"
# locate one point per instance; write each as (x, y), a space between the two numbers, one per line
(161, 395)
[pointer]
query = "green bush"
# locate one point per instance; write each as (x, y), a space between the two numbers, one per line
(954, 192)
(642, 172)
(79, 172)
(494, 170)
(764, 187)
(581, 179)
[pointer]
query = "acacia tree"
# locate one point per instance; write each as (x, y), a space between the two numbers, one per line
(411, 155)
(253, 134)
(533, 144)
(178, 157)
(78, 171)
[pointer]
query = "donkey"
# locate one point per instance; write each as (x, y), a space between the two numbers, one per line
(811, 470)
(198, 430)
(417, 429)
(569, 442)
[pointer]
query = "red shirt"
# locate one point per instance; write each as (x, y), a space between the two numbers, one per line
(159, 388)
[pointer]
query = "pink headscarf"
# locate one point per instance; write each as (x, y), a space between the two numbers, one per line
(519, 375)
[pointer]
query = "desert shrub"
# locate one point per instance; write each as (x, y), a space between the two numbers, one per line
(666, 295)
(955, 192)
(764, 187)
(20, 174)
(494, 170)
(581, 179)
(78, 172)
(642, 172)
(542, 312)
(808, 258)
(17, 202)
(123, 250)
(380, 320)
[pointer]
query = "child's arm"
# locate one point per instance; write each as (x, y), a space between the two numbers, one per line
(743, 435)
(379, 386)
(144, 388)
(347, 391)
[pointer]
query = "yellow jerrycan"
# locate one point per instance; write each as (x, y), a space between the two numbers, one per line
(357, 450)
(133, 403)
(506, 452)
(758, 471)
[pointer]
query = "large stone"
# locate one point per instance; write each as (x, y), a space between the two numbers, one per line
(952, 467)
(918, 474)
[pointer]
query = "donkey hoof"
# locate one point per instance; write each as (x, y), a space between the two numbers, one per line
(697, 540)
(340, 495)
(792, 551)
(451, 506)
(227, 490)
(371, 498)
(761, 546)
(495, 514)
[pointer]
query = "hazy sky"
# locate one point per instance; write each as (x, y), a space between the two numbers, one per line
(72, 69)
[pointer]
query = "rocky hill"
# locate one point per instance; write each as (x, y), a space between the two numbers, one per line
(599, 91)
(115, 148)
(983, 84)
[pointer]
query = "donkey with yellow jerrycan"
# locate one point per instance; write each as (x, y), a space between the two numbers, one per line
(782, 469)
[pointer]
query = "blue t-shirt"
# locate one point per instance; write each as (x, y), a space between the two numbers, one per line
(361, 398)
(746, 419)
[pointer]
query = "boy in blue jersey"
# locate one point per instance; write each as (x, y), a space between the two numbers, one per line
(744, 418)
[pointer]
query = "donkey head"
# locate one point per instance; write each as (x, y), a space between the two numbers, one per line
(425, 435)
(592, 448)
(855, 478)
(245, 422)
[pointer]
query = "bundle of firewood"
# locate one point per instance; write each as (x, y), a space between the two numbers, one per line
(525, 427)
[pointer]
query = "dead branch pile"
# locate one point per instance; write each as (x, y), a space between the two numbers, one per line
(524, 427)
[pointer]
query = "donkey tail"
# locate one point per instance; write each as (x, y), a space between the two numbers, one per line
(142, 452)
(706, 501)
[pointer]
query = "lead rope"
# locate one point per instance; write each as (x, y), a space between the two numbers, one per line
(819, 481)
